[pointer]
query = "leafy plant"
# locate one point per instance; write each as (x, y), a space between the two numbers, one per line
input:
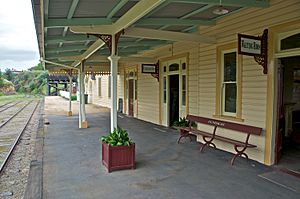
(119, 137)
(73, 98)
(183, 122)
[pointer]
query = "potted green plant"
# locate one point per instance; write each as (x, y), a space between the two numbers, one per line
(183, 125)
(118, 150)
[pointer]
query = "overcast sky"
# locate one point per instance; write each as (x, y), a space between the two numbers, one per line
(18, 41)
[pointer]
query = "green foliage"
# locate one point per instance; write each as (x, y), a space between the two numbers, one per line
(183, 122)
(1, 79)
(17, 97)
(8, 74)
(33, 82)
(7, 83)
(119, 137)
(37, 67)
(73, 98)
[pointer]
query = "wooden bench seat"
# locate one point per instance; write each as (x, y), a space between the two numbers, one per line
(239, 146)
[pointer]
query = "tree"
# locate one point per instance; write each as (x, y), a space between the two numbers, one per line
(8, 74)
(31, 82)
(37, 67)
(1, 79)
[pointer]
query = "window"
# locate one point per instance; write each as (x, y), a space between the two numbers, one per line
(174, 67)
(229, 83)
(183, 90)
(165, 89)
(126, 89)
(109, 86)
(290, 42)
(135, 91)
(99, 86)
(183, 66)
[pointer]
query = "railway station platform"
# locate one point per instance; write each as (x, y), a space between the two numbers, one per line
(72, 165)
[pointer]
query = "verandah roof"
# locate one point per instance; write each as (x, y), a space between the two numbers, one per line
(147, 23)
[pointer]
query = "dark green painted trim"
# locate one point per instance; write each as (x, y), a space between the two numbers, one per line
(235, 3)
(116, 8)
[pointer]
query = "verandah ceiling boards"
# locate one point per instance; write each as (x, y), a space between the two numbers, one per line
(150, 23)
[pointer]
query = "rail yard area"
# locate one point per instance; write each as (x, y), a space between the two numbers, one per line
(19, 118)
(53, 158)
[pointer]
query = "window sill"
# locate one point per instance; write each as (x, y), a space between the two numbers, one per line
(229, 118)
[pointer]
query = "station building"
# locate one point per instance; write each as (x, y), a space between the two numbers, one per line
(208, 76)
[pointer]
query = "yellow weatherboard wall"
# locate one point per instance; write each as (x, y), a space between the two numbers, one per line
(255, 101)
(257, 98)
(256, 87)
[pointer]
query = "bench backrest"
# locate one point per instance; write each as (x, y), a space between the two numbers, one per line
(227, 125)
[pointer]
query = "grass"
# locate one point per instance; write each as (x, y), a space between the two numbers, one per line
(17, 97)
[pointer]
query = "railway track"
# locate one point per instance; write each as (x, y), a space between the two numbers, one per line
(12, 129)
(8, 105)
(5, 104)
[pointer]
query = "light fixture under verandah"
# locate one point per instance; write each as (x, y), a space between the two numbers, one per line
(220, 10)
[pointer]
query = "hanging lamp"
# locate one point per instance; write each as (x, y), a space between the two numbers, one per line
(220, 10)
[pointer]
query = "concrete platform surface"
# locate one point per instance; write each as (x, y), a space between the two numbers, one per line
(164, 169)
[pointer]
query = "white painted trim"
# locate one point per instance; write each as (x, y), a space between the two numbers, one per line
(223, 112)
(70, 93)
(134, 78)
(288, 53)
(114, 72)
(166, 106)
(285, 53)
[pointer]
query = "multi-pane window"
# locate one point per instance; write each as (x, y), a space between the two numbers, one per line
(109, 86)
(99, 86)
(229, 84)
(135, 89)
(183, 90)
(165, 89)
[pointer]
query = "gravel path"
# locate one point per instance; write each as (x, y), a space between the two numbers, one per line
(13, 180)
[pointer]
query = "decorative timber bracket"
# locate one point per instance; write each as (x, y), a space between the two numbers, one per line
(152, 69)
(255, 46)
(107, 39)
(263, 58)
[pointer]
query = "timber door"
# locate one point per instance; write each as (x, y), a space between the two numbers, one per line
(173, 102)
(174, 99)
(130, 97)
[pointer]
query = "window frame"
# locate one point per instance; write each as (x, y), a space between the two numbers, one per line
(223, 83)
(220, 89)
(99, 87)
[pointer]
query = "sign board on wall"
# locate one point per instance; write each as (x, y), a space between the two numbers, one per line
(149, 68)
(249, 45)
(256, 47)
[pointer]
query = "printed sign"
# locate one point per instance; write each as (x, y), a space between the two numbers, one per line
(216, 123)
(249, 45)
(149, 68)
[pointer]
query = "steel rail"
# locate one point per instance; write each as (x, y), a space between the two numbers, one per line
(10, 106)
(17, 139)
(11, 117)
(5, 104)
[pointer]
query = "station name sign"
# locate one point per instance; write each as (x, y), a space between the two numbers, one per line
(149, 68)
(249, 45)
